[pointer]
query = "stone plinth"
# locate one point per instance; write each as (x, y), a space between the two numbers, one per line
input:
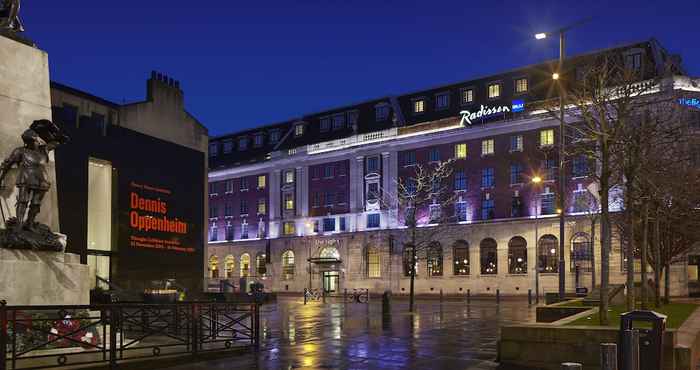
(43, 278)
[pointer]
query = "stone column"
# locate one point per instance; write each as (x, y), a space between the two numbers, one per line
(275, 204)
(357, 186)
(302, 191)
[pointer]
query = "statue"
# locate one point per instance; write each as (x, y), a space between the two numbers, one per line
(33, 183)
(9, 16)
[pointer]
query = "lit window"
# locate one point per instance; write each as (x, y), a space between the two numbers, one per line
(261, 181)
(373, 220)
(434, 155)
(99, 205)
(516, 143)
(461, 151)
(547, 137)
(517, 255)
(460, 258)
(419, 106)
(288, 228)
(288, 265)
(488, 251)
(373, 266)
(381, 112)
(228, 146)
(487, 147)
(261, 206)
(548, 253)
(289, 177)
(288, 201)
(442, 101)
(242, 144)
(467, 96)
(494, 91)
(245, 265)
(299, 130)
(521, 85)
(434, 260)
(325, 124)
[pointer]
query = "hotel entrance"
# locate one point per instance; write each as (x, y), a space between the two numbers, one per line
(331, 280)
(326, 267)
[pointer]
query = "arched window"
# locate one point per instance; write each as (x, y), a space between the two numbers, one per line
(407, 268)
(547, 254)
(517, 255)
(214, 266)
(488, 256)
(373, 266)
(435, 260)
(245, 265)
(260, 266)
(330, 253)
(581, 252)
(460, 258)
(229, 263)
(288, 265)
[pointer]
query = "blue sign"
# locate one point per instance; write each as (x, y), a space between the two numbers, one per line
(518, 106)
(691, 102)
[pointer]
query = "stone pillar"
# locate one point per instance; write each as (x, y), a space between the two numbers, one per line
(389, 179)
(301, 184)
(357, 186)
(275, 210)
(25, 96)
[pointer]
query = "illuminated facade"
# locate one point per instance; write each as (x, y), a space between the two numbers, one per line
(318, 209)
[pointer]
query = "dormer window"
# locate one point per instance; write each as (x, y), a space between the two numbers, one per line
(258, 140)
(494, 90)
(274, 136)
(442, 101)
(418, 106)
(381, 112)
(633, 61)
(325, 125)
(242, 144)
(299, 129)
(213, 149)
(353, 115)
(338, 122)
(520, 85)
(228, 146)
(467, 96)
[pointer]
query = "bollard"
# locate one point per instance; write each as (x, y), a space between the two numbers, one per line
(629, 350)
(498, 296)
(469, 295)
(440, 295)
(571, 366)
(608, 356)
(323, 294)
(367, 291)
(386, 303)
(345, 295)
(529, 297)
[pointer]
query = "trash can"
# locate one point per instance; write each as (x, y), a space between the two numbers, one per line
(651, 340)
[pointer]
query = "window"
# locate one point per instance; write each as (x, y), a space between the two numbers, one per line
(516, 174)
(289, 177)
(229, 231)
(288, 228)
(258, 140)
(409, 158)
(229, 264)
(245, 265)
(213, 211)
(487, 147)
(442, 101)
(316, 226)
(487, 178)
(328, 171)
(461, 151)
(260, 266)
(372, 164)
(516, 143)
(372, 191)
(489, 257)
(341, 169)
(274, 136)
(244, 184)
(262, 206)
(581, 253)
(434, 262)
(411, 186)
(287, 265)
(299, 129)
(549, 167)
(99, 222)
(409, 264)
(434, 155)
(229, 186)
(213, 188)
(583, 200)
(341, 221)
(288, 201)
(435, 213)
(213, 232)
(547, 254)
(580, 166)
(461, 211)
(373, 220)
(547, 137)
(228, 209)
(261, 229)
(330, 198)
(460, 258)
(520, 85)
(244, 207)
(213, 149)
(467, 96)
(214, 267)
(325, 124)
(517, 255)
(262, 181)
(242, 144)
(373, 266)
(516, 206)
(435, 186)
(419, 106)
(70, 114)
(316, 200)
(460, 180)
(548, 203)
(228, 146)
(353, 116)
(494, 91)
(338, 121)
(487, 211)
(244, 229)
(328, 224)
(381, 112)
(633, 61)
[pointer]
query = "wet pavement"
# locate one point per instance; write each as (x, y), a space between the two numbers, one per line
(451, 335)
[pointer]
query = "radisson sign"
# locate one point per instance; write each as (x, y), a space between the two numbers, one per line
(468, 117)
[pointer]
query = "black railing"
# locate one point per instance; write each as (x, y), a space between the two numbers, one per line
(41, 337)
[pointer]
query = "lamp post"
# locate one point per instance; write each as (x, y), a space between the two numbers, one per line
(536, 181)
(562, 173)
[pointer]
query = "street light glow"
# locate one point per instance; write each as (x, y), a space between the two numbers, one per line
(540, 35)
(536, 180)
(555, 76)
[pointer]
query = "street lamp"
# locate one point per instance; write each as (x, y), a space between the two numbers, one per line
(562, 178)
(535, 182)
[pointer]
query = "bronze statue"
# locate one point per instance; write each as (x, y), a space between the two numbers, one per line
(9, 16)
(32, 183)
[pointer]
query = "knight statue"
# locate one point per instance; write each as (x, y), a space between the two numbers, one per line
(9, 16)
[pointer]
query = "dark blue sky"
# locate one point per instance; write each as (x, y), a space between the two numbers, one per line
(247, 63)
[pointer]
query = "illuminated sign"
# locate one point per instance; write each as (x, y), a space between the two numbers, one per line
(518, 106)
(483, 112)
(691, 102)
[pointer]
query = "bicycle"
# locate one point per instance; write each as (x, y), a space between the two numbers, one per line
(312, 294)
(359, 296)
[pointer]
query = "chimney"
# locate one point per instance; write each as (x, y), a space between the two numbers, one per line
(164, 91)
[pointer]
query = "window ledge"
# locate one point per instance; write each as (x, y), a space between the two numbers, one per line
(517, 274)
(491, 276)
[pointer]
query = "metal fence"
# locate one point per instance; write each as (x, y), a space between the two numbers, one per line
(42, 337)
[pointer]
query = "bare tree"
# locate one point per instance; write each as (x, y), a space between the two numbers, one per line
(424, 201)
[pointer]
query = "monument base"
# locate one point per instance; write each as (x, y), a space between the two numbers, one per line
(43, 278)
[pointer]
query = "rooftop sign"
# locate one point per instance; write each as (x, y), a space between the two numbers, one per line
(691, 102)
(469, 117)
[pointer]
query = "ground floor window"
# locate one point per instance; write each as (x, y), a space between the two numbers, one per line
(435, 260)
(517, 255)
(407, 265)
(100, 263)
(489, 256)
(288, 264)
(260, 265)
(373, 266)
(581, 253)
(460, 258)
(245, 265)
(214, 267)
(229, 263)
(547, 254)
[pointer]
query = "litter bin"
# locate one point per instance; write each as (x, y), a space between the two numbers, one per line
(651, 340)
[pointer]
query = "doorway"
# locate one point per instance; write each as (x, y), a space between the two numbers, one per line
(330, 281)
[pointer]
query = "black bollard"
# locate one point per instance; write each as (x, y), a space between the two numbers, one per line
(529, 297)
(345, 295)
(386, 303)
(469, 295)
(440, 295)
(498, 296)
